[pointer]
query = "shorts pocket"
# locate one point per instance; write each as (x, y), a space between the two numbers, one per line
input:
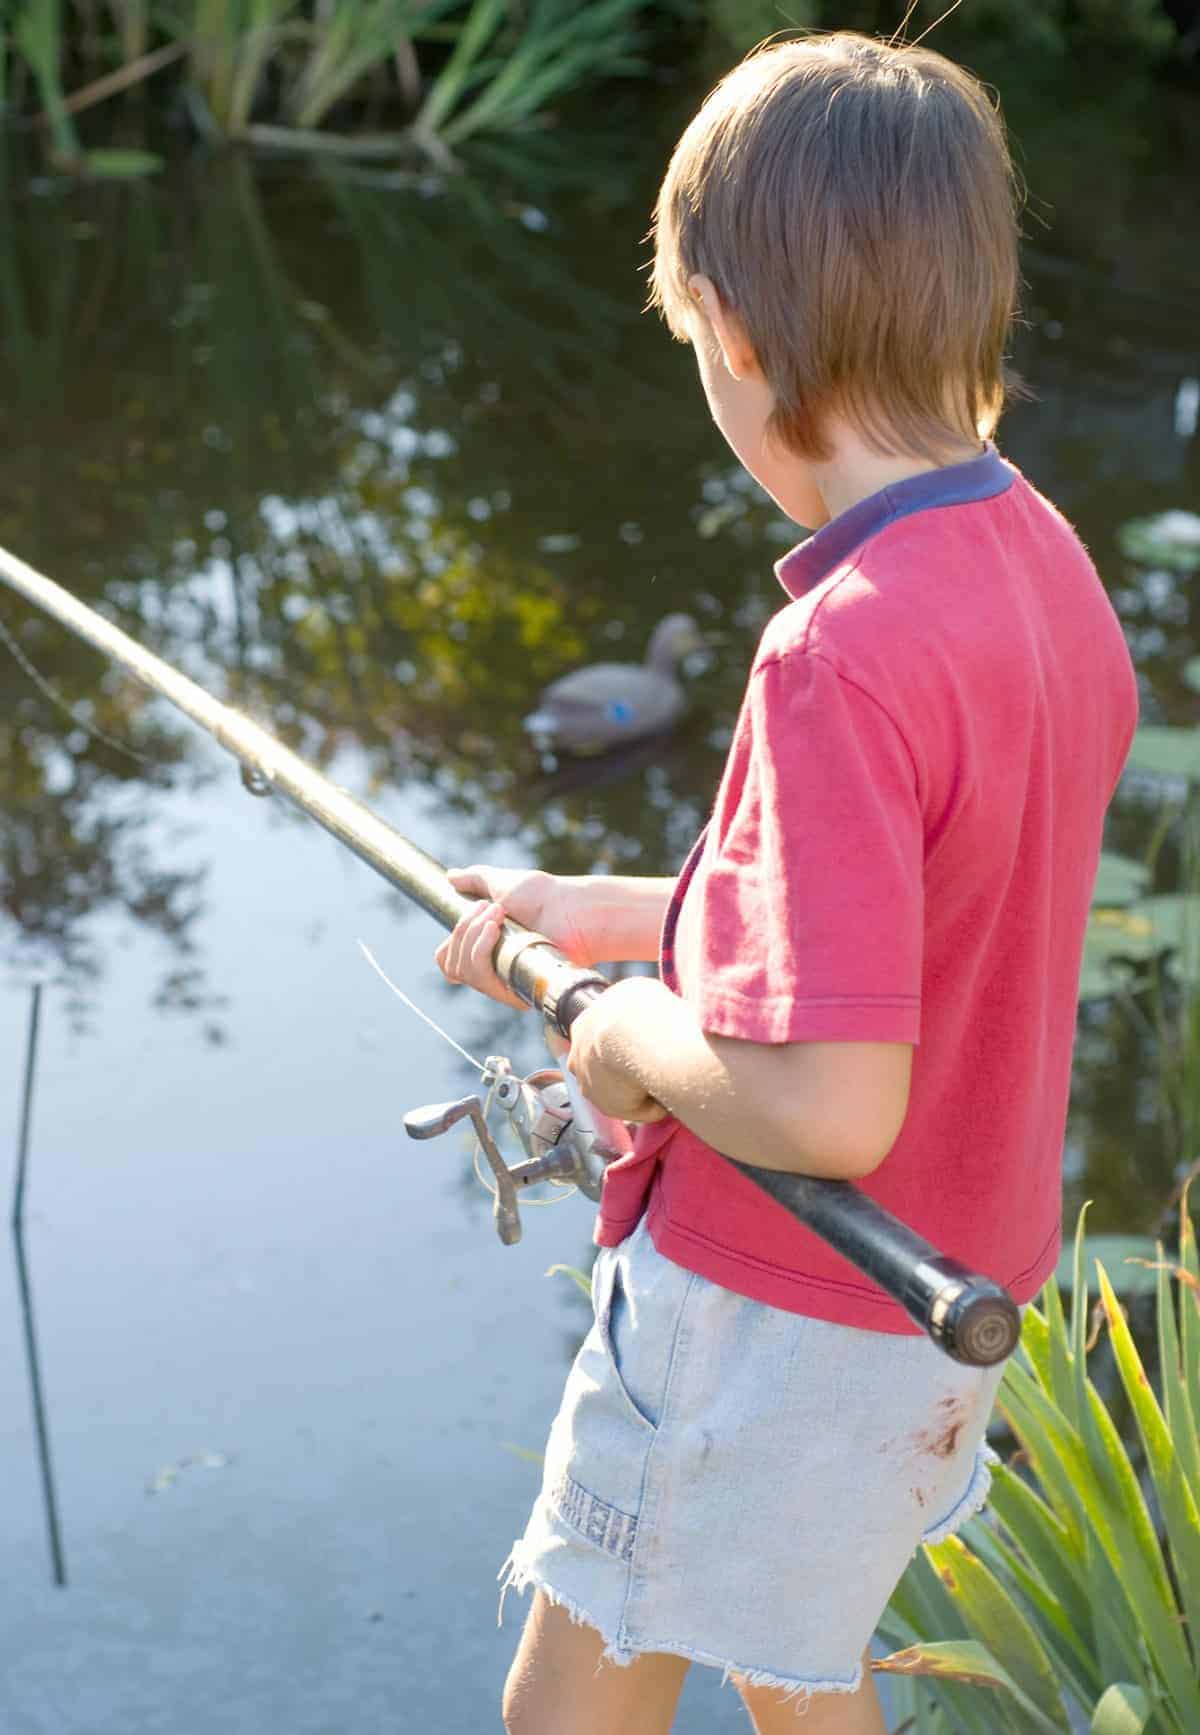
(637, 1328)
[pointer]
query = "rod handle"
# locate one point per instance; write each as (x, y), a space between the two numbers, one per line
(969, 1316)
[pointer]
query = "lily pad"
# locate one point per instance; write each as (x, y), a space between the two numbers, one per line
(1166, 751)
(1118, 880)
(1175, 918)
(1117, 943)
(1113, 1251)
(1170, 539)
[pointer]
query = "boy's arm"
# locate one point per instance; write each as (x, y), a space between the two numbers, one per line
(622, 915)
(594, 918)
(831, 1109)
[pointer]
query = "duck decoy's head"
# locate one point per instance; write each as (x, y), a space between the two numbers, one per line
(674, 638)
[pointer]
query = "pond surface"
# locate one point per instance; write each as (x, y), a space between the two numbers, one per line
(378, 459)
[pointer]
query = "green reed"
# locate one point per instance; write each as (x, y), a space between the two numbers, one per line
(1075, 1603)
(439, 71)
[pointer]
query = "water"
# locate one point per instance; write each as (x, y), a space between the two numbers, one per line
(379, 461)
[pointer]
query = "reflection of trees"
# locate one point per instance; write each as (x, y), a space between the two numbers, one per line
(380, 461)
(72, 842)
(259, 491)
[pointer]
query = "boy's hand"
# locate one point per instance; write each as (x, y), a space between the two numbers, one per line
(603, 1041)
(530, 896)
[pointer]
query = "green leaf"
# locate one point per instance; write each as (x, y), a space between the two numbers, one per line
(1181, 1419)
(1189, 1305)
(525, 1453)
(1074, 1580)
(1181, 1518)
(1116, 944)
(120, 165)
(1049, 1546)
(1175, 919)
(1118, 879)
(576, 1276)
(1079, 1315)
(1098, 1488)
(987, 1607)
(1166, 751)
(1057, 1376)
(964, 1660)
(1068, 1643)
(1124, 1710)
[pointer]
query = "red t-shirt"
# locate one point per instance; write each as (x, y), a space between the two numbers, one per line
(903, 849)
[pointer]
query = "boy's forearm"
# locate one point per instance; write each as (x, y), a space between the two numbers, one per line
(826, 1109)
(622, 915)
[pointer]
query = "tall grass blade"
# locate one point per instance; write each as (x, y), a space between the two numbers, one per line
(1181, 1420)
(1124, 1710)
(485, 18)
(1189, 1304)
(1075, 1585)
(1179, 1508)
(1012, 1640)
(1109, 1501)
(1025, 1566)
(38, 35)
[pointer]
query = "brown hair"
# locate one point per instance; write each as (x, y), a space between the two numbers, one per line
(853, 203)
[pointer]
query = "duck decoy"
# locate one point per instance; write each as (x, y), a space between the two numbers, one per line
(605, 705)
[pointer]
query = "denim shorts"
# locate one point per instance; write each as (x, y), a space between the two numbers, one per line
(743, 1486)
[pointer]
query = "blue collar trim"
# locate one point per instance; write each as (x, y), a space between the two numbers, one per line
(955, 485)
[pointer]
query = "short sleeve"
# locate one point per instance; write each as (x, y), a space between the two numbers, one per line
(808, 919)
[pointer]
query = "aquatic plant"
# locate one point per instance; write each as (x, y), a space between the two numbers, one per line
(349, 39)
(230, 44)
(440, 70)
(1079, 1593)
(37, 36)
(510, 75)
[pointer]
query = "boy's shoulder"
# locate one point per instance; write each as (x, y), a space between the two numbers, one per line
(933, 586)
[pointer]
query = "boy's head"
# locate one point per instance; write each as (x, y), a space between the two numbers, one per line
(851, 205)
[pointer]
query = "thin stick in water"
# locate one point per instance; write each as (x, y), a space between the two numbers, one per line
(58, 1563)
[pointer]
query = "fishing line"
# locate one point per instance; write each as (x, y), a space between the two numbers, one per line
(413, 1007)
(43, 685)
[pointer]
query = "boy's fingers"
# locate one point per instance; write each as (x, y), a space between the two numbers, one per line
(482, 944)
(466, 956)
(477, 881)
(452, 953)
(468, 880)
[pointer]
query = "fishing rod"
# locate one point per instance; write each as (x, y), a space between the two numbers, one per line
(969, 1316)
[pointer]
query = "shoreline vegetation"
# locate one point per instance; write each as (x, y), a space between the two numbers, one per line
(415, 80)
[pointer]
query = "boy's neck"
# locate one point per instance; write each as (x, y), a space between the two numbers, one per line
(855, 471)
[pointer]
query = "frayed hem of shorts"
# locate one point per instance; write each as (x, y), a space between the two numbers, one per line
(973, 1501)
(515, 1575)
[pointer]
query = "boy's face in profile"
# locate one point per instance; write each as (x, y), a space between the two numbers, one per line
(741, 401)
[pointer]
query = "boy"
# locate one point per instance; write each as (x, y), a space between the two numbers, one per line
(869, 963)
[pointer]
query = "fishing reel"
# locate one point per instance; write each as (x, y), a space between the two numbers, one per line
(564, 1139)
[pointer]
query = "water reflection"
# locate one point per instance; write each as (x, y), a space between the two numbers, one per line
(380, 461)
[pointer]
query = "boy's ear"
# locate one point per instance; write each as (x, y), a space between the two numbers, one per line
(737, 351)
